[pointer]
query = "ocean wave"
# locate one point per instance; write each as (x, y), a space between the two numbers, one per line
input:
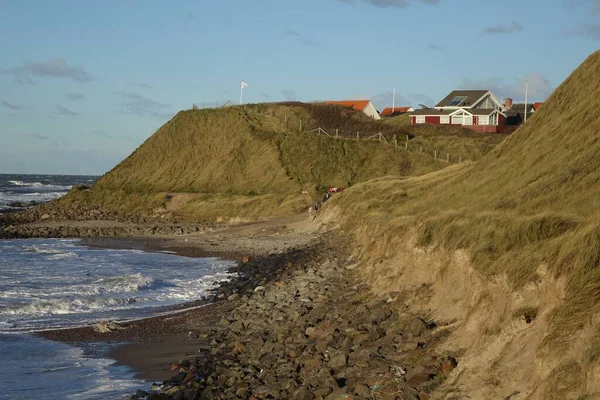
(40, 185)
(68, 306)
(18, 183)
(42, 250)
(125, 284)
(62, 256)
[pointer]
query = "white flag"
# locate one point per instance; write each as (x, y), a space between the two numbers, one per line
(244, 84)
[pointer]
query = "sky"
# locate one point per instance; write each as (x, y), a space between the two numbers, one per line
(84, 83)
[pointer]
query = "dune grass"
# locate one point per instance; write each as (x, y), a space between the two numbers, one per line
(254, 161)
(533, 200)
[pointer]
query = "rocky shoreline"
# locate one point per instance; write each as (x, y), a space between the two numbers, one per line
(295, 323)
(298, 325)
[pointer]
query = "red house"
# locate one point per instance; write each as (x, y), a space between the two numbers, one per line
(477, 110)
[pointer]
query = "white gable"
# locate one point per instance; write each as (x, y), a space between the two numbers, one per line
(371, 111)
(489, 101)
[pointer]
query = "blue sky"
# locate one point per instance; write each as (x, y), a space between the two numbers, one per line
(83, 83)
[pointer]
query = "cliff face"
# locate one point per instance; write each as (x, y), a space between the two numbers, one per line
(506, 251)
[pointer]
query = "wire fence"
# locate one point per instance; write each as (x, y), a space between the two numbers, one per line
(399, 142)
(212, 104)
(403, 142)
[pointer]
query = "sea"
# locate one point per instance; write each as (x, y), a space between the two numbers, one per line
(19, 190)
(59, 283)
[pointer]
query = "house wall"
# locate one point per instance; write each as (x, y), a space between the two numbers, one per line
(487, 102)
(501, 122)
(432, 120)
(371, 111)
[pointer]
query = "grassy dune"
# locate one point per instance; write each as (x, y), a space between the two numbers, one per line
(531, 204)
(247, 162)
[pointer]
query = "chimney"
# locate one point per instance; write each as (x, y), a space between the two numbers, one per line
(508, 103)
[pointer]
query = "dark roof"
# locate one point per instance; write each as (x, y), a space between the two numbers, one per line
(519, 109)
(431, 111)
(470, 97)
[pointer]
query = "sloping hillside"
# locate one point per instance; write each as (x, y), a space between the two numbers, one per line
(508, 249)
(242, 162)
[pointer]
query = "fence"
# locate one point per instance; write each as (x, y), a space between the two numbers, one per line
(212, 104)
(403, 143)
(393, 140)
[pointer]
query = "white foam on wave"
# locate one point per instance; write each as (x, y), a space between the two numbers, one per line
(62, 256)
(65, 306)
(18, 183)
(121, 284)
(42, 250)
(40, 185)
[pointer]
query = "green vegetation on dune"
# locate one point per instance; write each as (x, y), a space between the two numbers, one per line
(459, 142)
(247, 162)
(531, 204)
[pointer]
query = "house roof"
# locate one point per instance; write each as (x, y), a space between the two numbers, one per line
(519, 109)
(431, 111)
(537, 105)
(462, 98)
(358, 105)
(387, 112)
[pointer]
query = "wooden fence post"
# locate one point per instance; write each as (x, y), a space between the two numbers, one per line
(459, 159)
(395, 142)
(336, 133)
(420, 149)
(447, 157)
(357, 135)
(435, 154)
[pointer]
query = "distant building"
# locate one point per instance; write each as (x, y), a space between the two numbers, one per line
(515, 112)
(477, 110)
(395, 111)
(536, 106)
(359, 105)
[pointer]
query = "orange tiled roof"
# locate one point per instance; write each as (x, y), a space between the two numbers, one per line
(357, 105)
(536, 106)
(387, 112)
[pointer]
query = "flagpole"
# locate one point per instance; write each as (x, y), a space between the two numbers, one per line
(241, 92)
(394, 100)
(526, 89)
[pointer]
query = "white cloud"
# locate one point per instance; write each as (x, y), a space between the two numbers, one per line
(55, 68)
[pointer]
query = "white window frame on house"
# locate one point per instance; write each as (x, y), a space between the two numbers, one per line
(420, 119)
(483, 120)
(444, 119)
(494, 119)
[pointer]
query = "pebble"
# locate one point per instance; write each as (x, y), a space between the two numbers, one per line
(304, 329)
